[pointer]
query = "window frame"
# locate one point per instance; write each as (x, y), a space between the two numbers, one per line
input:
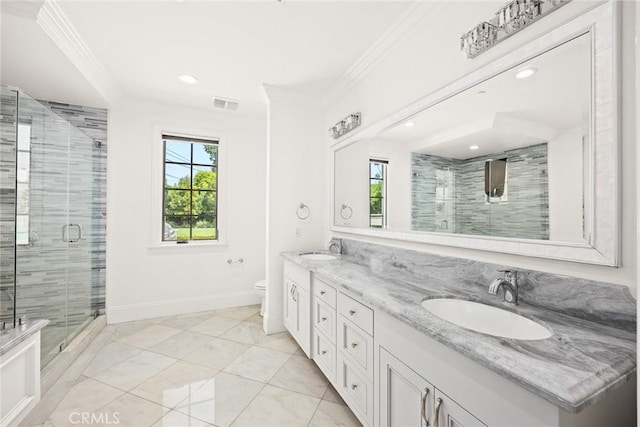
(383, 197)
(156, 229)
(191, 141)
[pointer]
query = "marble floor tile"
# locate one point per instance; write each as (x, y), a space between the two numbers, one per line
(333, 414)
(186, 321)
(178, 419)
(174, 384)
(245, 332)
(215, 326)
(281, 342)
(239, 313)
(86, 357)
(181, 344)
(150, 336)
(275, 406)
(135, 370)
(221, 399)
(110, 354)
(217, 354)
(256, 318)
(132, 411)
(258, 363)
(128, 328)
(301, 375)
(86, 396)
(331, 395)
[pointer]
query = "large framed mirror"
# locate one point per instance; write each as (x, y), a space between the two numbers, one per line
(520, 157)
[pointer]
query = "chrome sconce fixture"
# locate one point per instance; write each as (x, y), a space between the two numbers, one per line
(511, 18)
(345, 125)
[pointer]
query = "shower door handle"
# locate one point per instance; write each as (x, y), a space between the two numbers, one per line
(65, 233)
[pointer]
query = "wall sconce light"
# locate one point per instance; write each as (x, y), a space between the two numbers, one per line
(511, 18)
(345, 125)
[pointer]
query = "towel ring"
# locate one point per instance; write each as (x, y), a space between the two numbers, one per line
(346, 212)
(303, 212)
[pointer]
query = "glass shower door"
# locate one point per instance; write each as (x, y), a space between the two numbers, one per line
(53, 263)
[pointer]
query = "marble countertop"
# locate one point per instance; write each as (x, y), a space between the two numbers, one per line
(579, 364)
(12, 337)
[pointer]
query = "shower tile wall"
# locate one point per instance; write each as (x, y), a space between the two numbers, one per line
(524, 215)
(93, 122)
(8, 139)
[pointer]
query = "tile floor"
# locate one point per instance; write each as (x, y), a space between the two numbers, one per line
(213, 368)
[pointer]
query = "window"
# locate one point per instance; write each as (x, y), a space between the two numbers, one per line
(23, 171)
(190, 193)
(377, 193)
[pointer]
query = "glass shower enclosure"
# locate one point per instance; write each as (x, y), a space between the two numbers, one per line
(46, 220)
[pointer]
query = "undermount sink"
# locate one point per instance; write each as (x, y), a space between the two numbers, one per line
(315, 256)
(486, 319)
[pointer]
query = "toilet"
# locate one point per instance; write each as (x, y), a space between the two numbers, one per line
(260, 288)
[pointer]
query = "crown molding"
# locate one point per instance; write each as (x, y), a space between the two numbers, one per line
(55, 23)
(420, 12)
(21, 9)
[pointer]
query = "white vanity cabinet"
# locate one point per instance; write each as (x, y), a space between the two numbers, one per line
(324, 319)
(408, 400)
(297, 303)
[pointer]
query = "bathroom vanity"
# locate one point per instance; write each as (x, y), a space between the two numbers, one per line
(397, 364)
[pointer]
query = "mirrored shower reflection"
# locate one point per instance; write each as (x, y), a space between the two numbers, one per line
(51, 220)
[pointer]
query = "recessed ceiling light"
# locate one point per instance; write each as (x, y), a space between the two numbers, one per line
(474, 147)
(188, 79)
(526, 72)
(410, 124)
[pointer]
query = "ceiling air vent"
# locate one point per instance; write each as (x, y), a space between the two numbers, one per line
(226, 104)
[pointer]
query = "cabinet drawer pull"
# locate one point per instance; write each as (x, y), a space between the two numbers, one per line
(323, 352)
(424, 407)
(354, 344)
(322, 292)
(352, 312)
(324, 319)
(436, 421)
(354, 386)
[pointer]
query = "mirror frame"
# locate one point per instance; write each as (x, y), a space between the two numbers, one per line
(602, 245)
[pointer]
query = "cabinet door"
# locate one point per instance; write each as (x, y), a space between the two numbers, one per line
(406, 399)
(290, 306)
(450, 414)
(303, 319)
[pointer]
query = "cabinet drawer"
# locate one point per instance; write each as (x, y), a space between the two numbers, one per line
(324, 354)
(356, 390)
(297, 274)
(356, 312)
(325, 292)
(324, 319)
(356, 344)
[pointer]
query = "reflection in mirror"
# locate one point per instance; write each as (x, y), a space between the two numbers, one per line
(507, 157)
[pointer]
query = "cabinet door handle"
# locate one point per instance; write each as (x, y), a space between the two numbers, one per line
(352, 312)
(424, 407)
(354, 386)
(436, 418)
(354, 344)
(324, 319)
(322, 292)
(323, 352)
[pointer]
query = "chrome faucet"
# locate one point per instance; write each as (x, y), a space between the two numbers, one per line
(510, 284)
(335, 245)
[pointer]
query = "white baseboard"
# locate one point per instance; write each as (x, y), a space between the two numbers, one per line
(150, 310)
(273, 325)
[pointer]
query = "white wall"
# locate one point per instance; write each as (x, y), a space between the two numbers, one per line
(295, 174)
(144, 281)
(429, 57)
